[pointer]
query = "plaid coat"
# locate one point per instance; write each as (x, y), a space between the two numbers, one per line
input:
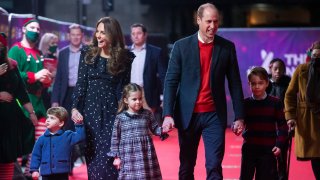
(132, 142)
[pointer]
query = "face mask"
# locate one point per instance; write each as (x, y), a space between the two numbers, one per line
(53, 49)
(32, 36)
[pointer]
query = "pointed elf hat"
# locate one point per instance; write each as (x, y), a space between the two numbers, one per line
(29, 20)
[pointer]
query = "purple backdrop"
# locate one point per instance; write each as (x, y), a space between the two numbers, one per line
(59, 28)
(257, 47)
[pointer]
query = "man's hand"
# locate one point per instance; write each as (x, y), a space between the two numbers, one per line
(238, 127)
(44, 76)
(168, 124)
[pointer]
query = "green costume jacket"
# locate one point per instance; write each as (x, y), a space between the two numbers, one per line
(30, 61)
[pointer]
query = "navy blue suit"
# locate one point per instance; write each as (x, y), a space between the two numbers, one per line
(181, 89)
(155, 68)
(61, 92)
(61, 82)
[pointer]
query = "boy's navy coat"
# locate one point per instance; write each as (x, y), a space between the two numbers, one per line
(52, 152)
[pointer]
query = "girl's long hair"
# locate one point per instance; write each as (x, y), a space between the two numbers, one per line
(120, 57)
(131, 87)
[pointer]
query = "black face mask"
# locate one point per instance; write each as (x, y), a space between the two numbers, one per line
(3, 53)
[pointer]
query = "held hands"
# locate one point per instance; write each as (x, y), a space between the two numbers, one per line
(117, 163)
(35, 175)
(238, 127)
(167, 124)
(44, 76)
(76, 116)
(276, 151)
(5, 96)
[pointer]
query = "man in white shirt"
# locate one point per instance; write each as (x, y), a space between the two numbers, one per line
(148, 68)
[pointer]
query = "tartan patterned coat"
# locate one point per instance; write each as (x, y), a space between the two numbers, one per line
(132, 142)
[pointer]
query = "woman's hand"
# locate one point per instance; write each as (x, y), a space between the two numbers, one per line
(33, 118)
(5, 96)
(291, 124)
(117, 163)
(76, 116)
(3, 68)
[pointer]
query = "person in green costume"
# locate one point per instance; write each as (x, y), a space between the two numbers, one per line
(35, 77)
(16, 131)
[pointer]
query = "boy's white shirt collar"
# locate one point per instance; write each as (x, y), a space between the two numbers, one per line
(264, 97)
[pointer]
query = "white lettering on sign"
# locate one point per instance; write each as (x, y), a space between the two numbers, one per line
(292, 60)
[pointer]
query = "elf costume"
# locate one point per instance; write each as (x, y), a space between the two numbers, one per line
(30, 61)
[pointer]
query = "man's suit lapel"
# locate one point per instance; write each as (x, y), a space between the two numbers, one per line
(66, 68)
(215, 53)
(148, 57)
(194, 46)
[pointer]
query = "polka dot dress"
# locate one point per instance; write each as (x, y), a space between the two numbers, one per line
(96, 97)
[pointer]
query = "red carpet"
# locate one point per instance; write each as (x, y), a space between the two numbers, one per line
(168, 155)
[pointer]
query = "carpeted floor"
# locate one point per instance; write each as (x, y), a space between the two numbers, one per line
(168, 155)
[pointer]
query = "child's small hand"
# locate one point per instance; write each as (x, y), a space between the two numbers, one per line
(79, 121)
(117, 162)
(238, 127)
(276, 151)
(35, 175)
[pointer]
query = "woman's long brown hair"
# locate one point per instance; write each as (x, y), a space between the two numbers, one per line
(120, 57)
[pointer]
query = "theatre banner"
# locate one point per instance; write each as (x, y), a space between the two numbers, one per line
(258, 46)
